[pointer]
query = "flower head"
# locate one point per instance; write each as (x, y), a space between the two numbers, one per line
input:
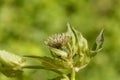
(58, 40)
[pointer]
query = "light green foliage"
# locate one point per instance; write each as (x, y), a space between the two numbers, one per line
(11, 64)
(25, 24)
(64, 48)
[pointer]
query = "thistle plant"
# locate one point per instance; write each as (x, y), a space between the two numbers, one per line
(69, 54)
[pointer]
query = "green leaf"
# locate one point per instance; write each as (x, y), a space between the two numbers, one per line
(58, 52)
(40, 67)
(98, 44)
(99, 41)
(50, 63)
(11, 64)
(11, 72)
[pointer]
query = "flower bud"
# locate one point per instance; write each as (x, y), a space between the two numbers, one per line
(58, 52)
(58, 40)
(10, 64)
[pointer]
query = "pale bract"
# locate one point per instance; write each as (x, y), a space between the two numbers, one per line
(10, 64)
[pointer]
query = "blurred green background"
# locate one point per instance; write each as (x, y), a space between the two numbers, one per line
(26, 24)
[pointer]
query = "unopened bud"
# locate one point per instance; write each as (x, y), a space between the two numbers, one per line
(10, 64)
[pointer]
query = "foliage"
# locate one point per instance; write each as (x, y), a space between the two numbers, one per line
(64, 48)
(25, 24)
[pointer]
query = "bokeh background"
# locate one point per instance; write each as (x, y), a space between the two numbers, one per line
(26, 24)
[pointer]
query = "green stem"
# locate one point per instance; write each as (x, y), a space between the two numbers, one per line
(65, 77)
(73, 74)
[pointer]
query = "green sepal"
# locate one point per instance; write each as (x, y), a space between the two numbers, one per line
(58, 52)
(81, 61)
(78, 42)
(74, 39)
(98, 44)
(83, 45)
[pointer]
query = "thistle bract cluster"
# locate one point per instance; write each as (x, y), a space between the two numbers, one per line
(71, 47)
